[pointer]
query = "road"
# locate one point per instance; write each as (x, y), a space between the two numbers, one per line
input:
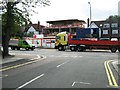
(62, 69)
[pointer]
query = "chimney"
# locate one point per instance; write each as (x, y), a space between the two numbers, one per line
(38, 25)
(88, 22)
(38, 22)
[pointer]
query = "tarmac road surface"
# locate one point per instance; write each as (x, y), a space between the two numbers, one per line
(64, 69)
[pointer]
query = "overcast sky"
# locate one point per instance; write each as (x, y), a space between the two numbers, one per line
(75, 9)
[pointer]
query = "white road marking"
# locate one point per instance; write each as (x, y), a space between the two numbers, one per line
(80, 56)
(110, 55)
(80, 83)
(72, 56)
(38, 57)
(59, 56)
(84, 83)
(51, 55)
(61, 64)
(29, 82)
(73, 84)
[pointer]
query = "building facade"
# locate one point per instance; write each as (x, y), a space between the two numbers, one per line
(107, 29)
(110, 30)
(33, 28)
(69, 25)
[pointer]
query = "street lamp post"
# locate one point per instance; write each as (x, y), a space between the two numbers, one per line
(90, 12)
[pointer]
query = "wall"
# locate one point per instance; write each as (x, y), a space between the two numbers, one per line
(43, 42)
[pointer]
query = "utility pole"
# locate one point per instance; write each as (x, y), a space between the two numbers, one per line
(90, 13)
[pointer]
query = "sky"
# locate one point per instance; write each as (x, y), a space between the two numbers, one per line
(75, 9)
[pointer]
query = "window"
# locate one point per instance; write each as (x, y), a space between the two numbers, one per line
(114, 31)
(114, 25)
(64, 38)
(52, 41)
(105, 31)
(25, 43)
(58, 37)
(106, 26)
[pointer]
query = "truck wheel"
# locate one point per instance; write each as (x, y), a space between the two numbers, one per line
(81, 49)
(113, 49)
(18, 48)
(63, 48)
(119, 49)
(32, 49)
(13, 48)
(73, 48)
(60, 48)
(27, 49)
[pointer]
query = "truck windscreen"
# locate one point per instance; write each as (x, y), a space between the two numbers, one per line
(57, 37)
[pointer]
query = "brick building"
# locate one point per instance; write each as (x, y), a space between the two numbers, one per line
(69, 25)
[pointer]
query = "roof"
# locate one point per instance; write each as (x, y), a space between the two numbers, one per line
(68, 20)
(35, 26)
(98, 23)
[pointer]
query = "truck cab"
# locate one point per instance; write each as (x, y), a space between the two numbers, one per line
(61, 41)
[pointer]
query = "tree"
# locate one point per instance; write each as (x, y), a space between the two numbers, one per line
(114, 18)
(18, 20)
(12, 16)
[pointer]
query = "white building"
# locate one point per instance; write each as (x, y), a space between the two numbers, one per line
(35, 29)
(119, 8)
(32, 29)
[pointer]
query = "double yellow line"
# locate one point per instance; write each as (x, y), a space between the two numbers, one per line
(111, 78)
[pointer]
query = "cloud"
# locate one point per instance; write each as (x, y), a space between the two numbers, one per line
(76, 9)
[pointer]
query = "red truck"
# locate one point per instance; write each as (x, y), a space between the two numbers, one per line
(80, 41)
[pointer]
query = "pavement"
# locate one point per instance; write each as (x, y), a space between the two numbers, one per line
(17, 57)
(116, 66)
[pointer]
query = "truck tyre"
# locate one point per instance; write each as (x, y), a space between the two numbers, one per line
(18, 48)
(13, 48)
(80, 49)
(27, 49)
(32, 49)
(60, 48)
(63, 48)
(113, 49)
(72, 48)
(119, 49)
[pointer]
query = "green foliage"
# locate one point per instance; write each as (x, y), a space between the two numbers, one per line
(114, 18)
(14, 17)
(18, 22)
